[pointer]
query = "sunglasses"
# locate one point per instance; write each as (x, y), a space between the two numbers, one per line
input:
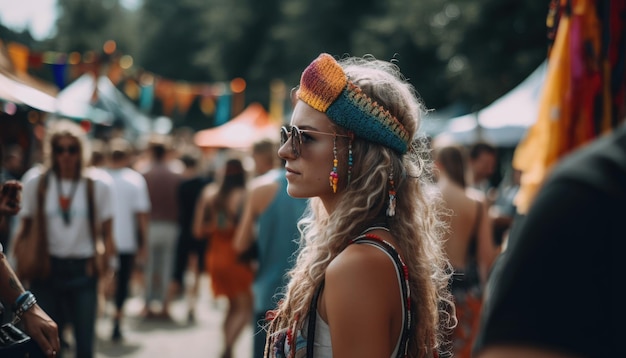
(296, 135)
(72, 149)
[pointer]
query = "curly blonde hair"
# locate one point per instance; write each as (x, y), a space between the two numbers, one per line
(66, 128)
(417, 225)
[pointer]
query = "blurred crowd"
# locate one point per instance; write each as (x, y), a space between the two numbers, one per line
(163, 213)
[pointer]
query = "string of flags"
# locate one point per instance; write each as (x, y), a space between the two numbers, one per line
(141, 86)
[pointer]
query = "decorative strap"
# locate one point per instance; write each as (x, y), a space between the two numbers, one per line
(403, 275)
(310, 333)
(92, 223)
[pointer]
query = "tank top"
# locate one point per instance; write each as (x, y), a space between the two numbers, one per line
(319, 345)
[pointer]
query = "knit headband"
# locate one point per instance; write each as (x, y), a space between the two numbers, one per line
(325, 87)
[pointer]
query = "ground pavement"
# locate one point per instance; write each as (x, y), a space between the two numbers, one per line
(156, 338)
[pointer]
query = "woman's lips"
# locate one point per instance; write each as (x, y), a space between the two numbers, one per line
(291, 172)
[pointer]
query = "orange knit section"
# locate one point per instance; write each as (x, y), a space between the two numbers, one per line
(322, 82)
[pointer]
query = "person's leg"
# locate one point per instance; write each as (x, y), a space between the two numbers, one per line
(237, 317)
(168, 251)
(196, 257)
(176, 285)
(121, 292)
(150, 268)
(192, 291)
(84, 304)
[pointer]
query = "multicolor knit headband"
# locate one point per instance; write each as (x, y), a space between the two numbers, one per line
(325, 87)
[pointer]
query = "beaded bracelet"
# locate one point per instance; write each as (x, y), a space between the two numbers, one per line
(24, 302)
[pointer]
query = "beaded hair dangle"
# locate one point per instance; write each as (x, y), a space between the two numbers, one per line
(350, 156)
(334, 176)
(391, 209)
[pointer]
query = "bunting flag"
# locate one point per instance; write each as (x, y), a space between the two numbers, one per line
(583, 94)
(19, 57)
(146, 97)
(59, 72)
(222, 112)
(278, 92)
(221, 100)
(184, 97)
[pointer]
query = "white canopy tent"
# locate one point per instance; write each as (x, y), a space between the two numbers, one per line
(17, 92)
(505, 121)
(102, 103)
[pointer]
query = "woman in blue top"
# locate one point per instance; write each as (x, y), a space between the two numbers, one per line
(350, 149)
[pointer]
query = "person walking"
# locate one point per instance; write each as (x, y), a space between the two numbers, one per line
(217, 216)
(73, 210)
(162, 183)
(371, 276)
(468, 245)
(190, 250)
(130, 224)
(269, 221)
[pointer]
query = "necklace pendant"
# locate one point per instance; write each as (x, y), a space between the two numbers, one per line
(66, 217)
(64, 203)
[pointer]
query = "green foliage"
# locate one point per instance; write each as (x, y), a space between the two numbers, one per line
(456, 50)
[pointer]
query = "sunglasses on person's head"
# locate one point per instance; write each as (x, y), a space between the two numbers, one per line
(296, 134)
(59, 149)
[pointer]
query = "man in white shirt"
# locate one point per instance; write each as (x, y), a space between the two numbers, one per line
(130, 226)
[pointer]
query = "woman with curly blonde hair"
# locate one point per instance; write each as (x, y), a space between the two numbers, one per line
(371, 277)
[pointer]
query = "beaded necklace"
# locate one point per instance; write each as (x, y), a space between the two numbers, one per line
(65, 201)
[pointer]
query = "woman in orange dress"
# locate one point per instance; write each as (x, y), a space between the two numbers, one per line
(217, 218)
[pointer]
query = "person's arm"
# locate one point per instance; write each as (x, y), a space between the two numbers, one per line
(10, 197)
(37, 324)
(486, 249)
(107, 237)
(142, 233)
(244, 236)
(199, 216)
(361, 297)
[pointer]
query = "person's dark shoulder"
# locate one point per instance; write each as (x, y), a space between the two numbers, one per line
(192, 187)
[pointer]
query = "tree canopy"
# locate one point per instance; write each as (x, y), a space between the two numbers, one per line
(454, 51)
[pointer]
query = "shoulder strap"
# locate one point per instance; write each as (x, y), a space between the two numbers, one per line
(310, 333)
(91, 211)
(403, 276)
(42, 186)
(479, 216)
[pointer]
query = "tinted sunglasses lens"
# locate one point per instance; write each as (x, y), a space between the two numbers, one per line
(284, 135)
(60, 150)
(296, 141)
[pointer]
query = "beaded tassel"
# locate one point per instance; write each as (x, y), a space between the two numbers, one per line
(350, 160)
(391, 209)
(334, 176)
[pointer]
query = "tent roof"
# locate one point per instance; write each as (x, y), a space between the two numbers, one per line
(22, 88)
(240, 132)
(101, 102)
(17, 92)
(505, 121)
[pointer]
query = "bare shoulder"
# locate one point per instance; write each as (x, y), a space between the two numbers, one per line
(363, 263)
(209, 191)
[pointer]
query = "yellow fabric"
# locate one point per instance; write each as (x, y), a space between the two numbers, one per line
(544, 143)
